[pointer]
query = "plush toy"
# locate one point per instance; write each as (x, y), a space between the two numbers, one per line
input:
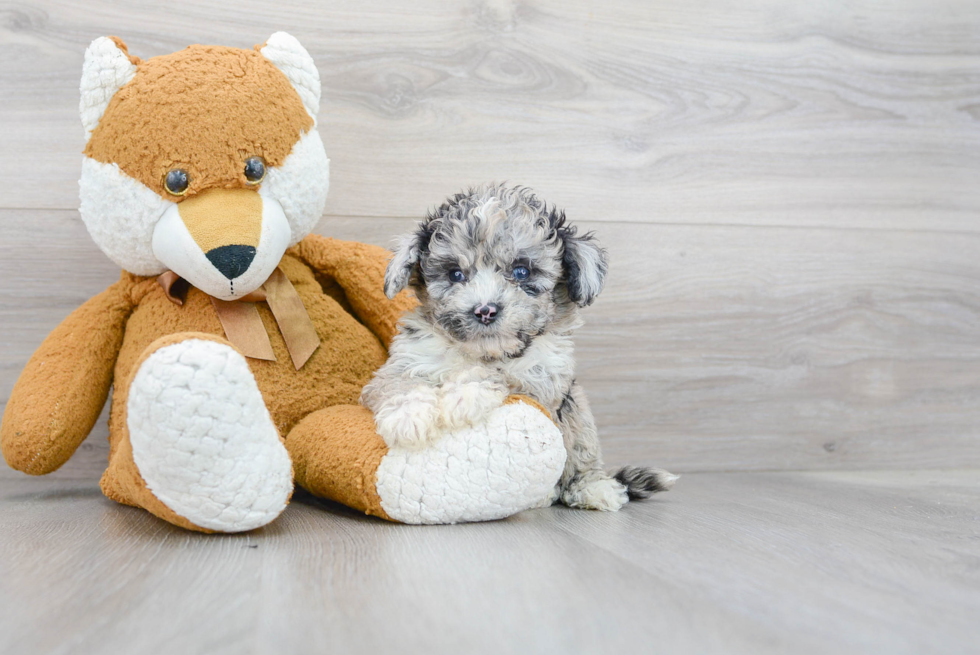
(237, 343)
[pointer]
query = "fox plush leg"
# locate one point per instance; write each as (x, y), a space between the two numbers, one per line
(195, 444)
(505, 465)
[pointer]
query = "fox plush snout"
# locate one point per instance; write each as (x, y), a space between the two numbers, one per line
(225, 242)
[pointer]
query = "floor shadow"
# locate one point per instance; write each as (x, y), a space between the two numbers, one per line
(303, 497)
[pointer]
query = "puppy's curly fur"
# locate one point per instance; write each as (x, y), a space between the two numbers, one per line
(500, 278)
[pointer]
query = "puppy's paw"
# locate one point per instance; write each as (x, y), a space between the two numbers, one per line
(602, 493)
(467, 403)
(409, 420)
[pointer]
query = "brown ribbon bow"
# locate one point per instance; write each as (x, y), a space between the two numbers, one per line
(243, 325)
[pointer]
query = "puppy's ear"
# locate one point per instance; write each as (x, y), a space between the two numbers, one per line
(585, 267)
(403, 263)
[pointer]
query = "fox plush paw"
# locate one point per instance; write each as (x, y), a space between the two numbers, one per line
(203, 439)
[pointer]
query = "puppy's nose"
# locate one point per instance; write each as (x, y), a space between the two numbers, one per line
(232, 261)
(486, 313)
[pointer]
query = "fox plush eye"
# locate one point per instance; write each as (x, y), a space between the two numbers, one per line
(176, 182)
(521, 273)
(456, 276)
(254, 170)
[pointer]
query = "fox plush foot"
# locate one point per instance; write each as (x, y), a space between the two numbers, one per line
(202, 439)
(506, 464)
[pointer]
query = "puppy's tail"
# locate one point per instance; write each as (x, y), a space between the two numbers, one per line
(640, 481)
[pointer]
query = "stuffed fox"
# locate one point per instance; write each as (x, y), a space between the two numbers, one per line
(237, 344)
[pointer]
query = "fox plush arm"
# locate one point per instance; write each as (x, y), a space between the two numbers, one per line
(359, 269)
(61, 392)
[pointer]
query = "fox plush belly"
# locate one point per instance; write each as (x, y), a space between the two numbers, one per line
(290, 394)
(237, 344)
(194, 430)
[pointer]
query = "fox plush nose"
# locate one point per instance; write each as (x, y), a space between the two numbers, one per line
(226, 224)
(486, 313)
(232, 261)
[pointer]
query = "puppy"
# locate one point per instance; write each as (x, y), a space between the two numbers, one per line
(500, 278)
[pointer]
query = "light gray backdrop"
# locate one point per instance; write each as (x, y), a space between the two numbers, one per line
(789, 192)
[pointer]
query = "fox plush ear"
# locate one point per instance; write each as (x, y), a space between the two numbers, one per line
(107, 68)
(585, 267)
(295, 62)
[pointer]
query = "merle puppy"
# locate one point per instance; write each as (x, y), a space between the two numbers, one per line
(500, 278)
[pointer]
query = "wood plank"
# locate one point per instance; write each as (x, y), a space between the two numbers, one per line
(713, 348)
(802, 551)
(769, 113)
(725, 563)
(334, 582)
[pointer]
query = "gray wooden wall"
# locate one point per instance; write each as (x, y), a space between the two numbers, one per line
(789, 191)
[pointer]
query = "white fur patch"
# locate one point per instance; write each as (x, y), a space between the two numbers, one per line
(203, 439)
(175, 247)
(300, 185)
(507, 464)
(462, 404)
(106, 70)
(601, 493)
(120, 215)
(410, 420)
(294, 61)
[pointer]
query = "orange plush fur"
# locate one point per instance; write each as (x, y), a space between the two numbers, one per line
(169, 116)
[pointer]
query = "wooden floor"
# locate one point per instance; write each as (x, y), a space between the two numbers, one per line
(846, 562)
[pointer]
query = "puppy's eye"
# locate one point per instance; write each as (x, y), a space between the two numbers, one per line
(456, 276)
(254, 170)
(176, 182)
(521, 273)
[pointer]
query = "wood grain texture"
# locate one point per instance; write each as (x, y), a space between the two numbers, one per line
(712, 348)
(788, 193)
(767, 112)
(748, 563)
